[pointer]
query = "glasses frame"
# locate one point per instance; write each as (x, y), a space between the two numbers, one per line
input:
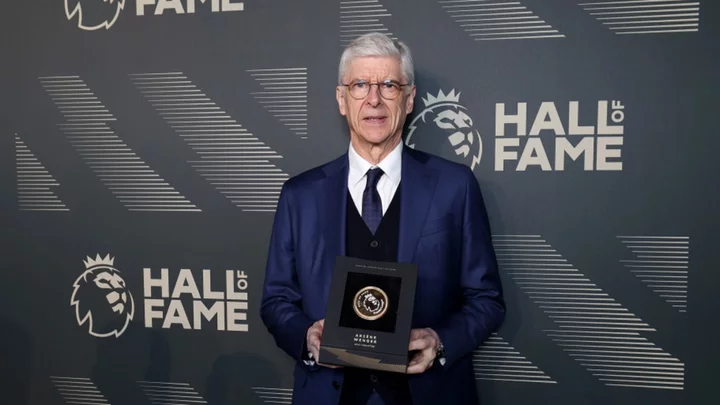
(370, 84)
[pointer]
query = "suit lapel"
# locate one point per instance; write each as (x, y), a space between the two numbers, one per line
(418, 186)
(333, 209)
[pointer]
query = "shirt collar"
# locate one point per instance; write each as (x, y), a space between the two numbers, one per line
(391, 165)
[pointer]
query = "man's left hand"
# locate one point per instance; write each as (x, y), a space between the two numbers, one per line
(427, 342)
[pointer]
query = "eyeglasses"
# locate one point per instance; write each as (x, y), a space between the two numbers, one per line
(389, 89)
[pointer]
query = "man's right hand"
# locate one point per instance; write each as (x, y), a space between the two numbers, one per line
(313, 338)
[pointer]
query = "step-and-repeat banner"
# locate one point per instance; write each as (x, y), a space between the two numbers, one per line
(145, 142)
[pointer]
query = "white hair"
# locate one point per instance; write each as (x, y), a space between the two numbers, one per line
(378, 44)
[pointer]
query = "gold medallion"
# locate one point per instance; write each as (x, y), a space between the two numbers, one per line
(370, 303)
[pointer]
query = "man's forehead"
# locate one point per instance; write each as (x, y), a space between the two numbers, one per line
(375, 66)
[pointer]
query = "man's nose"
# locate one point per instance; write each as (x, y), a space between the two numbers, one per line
(373, 97)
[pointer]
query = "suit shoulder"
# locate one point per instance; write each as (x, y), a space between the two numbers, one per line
(314, 174)
(445, 167)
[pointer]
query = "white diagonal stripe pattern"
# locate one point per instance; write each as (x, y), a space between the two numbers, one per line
(496, 360)
(270, 395)
(78, 391)
(497, 20)
(87, 128)
(593, 328)
(661, 262)
(232, 159)
(284, 95)
(34, 182)
(171, 393)
(359, 17)
(637, 17)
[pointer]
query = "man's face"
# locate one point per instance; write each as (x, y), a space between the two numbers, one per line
(375, 119)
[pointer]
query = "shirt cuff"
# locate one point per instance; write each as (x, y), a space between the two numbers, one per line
(309, 360)
(441, 354)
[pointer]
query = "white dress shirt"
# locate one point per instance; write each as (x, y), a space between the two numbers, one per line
(388, 183)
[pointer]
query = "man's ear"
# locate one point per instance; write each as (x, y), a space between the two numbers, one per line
(339, 96)
(410, 102)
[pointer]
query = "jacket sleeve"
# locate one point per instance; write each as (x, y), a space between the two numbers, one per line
(483, 307)
(281, 306)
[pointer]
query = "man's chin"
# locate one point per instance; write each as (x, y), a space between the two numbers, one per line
(376, 138)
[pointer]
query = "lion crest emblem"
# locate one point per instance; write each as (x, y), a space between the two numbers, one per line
(94, 14)
(101, 299)
(445, 128)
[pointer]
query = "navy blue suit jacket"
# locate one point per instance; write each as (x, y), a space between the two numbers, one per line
(443, 228)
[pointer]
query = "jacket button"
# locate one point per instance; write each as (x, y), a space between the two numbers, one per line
(373, 378)
(374, 244)
(336, 385)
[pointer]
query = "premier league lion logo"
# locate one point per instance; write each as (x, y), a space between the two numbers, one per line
(101, 298)
(371, 303)
(94, 14)
(445, 128)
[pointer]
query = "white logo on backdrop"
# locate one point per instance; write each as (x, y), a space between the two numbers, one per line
(559, 136)
(96, 14)
(101, 299)
(215, 301)
(108, 9)
(453, 132)
(183, 300)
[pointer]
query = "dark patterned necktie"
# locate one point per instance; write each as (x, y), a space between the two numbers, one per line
(371, 204)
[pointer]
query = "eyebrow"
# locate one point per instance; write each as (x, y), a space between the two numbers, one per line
(385, 80)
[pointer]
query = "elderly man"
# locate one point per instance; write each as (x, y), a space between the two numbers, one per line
(383, 201)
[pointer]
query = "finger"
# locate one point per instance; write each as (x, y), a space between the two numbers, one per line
(416, 368)
(416, 345)
(313, 347)
(314, 341)
(420, 344)
(430, 352)
(422, 360)
(417, 358)
(420, 365)
(417, 333)
(322, 323)
(315, 350)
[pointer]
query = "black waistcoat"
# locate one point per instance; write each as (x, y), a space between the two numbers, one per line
(382, 246)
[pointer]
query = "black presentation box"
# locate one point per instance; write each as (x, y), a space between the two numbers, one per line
(369, 315)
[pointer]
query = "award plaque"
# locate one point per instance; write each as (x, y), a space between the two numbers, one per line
(369, 315)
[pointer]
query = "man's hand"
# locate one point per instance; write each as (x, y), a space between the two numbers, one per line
(427, 342)
(314, 337)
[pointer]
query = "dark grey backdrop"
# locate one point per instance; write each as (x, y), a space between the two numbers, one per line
(566, 237)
